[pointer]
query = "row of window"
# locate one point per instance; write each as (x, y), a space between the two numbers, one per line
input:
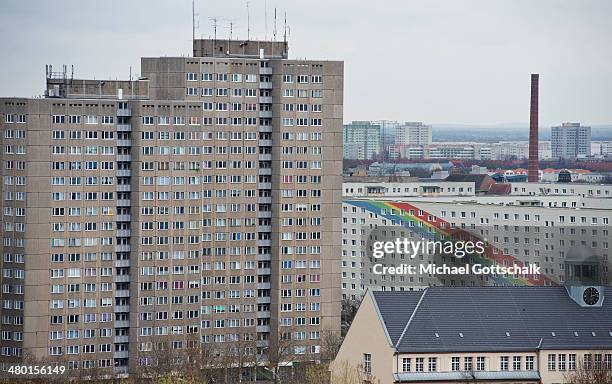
(238, 92)
(20, 119)
(88, 119)
(562, 362)
(251, 78)
(14, 134)
(233, 77)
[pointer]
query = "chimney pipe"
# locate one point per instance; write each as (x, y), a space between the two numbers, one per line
(533, 167)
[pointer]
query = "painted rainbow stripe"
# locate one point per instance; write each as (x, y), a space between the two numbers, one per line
(435, 228)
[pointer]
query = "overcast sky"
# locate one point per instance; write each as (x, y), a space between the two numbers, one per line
(464, 62)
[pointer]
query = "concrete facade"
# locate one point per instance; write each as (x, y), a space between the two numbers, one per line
(203, 200)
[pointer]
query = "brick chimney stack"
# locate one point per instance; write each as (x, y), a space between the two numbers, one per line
(533, 167)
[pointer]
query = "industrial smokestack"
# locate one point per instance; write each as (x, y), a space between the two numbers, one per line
(533, 168)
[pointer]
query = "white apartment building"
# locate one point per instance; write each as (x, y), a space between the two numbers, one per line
(535, 209)
(570, 140)
(362, 140)
(413, 134)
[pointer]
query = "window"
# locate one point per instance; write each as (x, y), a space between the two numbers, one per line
(571, 362)
(516, 363)
(467, 363)
(529, 363)
(562, 362)
(419, 363)
(455, 363)
(406, 364)
(367, 363)
(552, 363)
(503, 363)
(480, 363)
(433, 364)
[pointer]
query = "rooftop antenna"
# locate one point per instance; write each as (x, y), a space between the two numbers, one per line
(248, 22)
(231, 28)
(193, 15)
(274, 24)
(285, 29)
(215, 20)
(266, 19)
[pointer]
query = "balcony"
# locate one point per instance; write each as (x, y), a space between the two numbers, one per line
(263, 300)
(122, 278)
(124, 143)
(126, 112)
(123, 232)
(264, 200)
(264, 257)
(264, 243)
(122, 263)
(265, 171)
(124, 187)
(265, 214)
(264, 186)
(264, 228)
(122, 323)
(265, 99)
(262, 143)
(263, 314)
(121, 371)
(263, 328)
(265, 157)
(124, 157)
(263, 285)
(122, 308)
(122, 293)
(122, 248)
(263, 271)
(124, 202)
(265, 128)
(126, 218)
(265, 70)
(124, 127)
(122, 339)
(265, 85)
(263, 344)
(265, 114)
(124, 173)
(121, 354)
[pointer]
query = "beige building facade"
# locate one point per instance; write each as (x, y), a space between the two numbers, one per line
(402, 337)
(200, 202)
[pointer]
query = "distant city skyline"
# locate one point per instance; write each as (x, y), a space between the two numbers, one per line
(439, 62)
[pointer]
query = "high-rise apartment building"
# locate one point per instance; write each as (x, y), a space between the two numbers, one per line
(413, 134)
(570, 140)
(362, 140)
(199, 202)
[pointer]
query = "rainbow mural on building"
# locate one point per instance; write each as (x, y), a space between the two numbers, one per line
(432, 227)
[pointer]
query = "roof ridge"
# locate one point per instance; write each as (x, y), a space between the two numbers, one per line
(416, 308)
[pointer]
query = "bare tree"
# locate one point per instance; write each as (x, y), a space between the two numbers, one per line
(330, 345)
(590, 370)
(281, 353)
(345, 373)
(190, 360)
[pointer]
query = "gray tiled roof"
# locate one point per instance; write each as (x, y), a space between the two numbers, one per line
(396, 310)
(494, 319)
